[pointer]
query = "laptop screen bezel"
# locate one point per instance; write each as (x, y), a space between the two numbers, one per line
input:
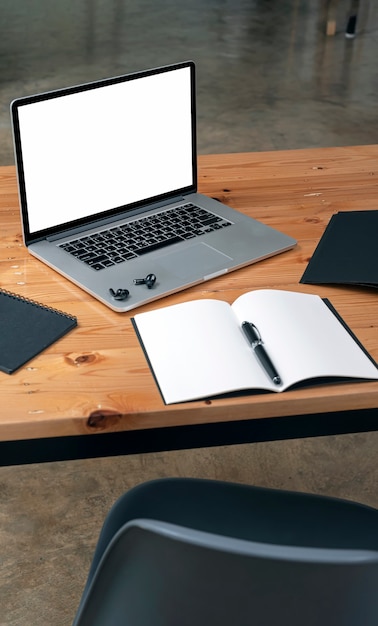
(119, 211)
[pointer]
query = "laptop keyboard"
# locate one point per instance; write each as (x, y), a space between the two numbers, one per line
(122, 243)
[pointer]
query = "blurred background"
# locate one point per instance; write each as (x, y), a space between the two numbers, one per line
(271, 74)
(268, 75)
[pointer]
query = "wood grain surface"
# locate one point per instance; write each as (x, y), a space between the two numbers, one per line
(96, 379)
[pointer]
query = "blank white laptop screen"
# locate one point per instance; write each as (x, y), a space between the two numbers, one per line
(102, 148)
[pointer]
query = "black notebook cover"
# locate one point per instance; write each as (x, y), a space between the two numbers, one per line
(347, 253)
(27, 328)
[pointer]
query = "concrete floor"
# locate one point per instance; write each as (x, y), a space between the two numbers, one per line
(268, 78)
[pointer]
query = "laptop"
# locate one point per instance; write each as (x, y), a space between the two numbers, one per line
(107, 176)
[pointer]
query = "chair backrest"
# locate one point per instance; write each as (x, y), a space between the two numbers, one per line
(159, 574)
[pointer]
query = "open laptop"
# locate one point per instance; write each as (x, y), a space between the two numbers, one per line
(107, 175)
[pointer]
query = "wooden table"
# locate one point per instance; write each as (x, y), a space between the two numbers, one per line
(92, 393)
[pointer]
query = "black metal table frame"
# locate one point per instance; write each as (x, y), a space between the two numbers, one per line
(68, 448)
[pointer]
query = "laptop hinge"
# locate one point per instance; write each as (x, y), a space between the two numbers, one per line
(72, 232)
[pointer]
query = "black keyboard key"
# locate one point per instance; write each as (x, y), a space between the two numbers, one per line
(211, 220)
(97, 259)
(87, 256)
(157, 246)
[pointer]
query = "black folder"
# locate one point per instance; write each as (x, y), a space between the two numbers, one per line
(27, 328)
(347, 252)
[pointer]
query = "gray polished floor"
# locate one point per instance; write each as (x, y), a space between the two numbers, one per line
(268, 78)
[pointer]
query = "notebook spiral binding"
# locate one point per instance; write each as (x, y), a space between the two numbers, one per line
(17, 296)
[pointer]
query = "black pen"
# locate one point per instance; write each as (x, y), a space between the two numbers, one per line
(256, 342)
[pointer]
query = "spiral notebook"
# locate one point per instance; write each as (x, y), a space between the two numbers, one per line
(27, 328)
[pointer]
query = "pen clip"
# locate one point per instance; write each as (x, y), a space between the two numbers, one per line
(258, 341)
(252, 334)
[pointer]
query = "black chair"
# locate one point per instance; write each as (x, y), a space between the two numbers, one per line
(178, 552)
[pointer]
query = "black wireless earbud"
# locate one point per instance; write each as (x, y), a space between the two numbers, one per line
(150, 280)
(120, 294)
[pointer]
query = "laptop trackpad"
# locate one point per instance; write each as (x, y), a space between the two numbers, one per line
(198, 260)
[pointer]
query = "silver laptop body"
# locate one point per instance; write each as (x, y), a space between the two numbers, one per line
(95, 158)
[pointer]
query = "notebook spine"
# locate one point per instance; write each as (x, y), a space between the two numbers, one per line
(17, 296)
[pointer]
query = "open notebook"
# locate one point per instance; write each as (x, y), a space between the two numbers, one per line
(197, 349)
